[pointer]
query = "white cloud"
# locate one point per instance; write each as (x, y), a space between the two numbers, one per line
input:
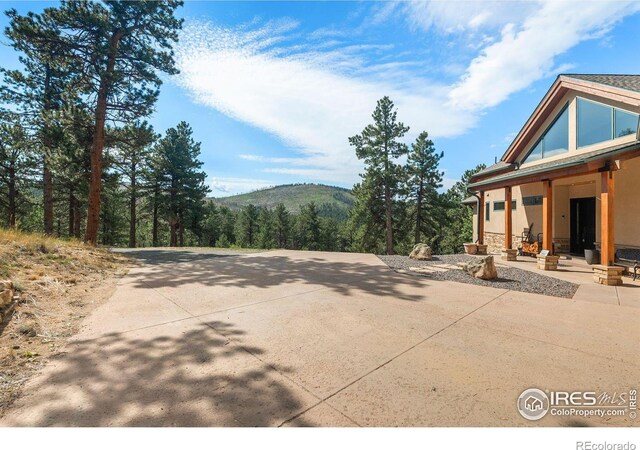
(455, 16)
(311, 100)
(314, 94)
(223, 187)
(526, 50)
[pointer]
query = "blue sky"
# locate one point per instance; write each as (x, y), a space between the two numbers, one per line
(274, 89)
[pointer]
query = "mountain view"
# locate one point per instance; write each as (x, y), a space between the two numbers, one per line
(332, 201)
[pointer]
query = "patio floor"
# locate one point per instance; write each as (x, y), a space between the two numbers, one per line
(284, 338)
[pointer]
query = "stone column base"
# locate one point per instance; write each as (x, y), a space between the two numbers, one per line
(607, 275)
(509, 254)
(548, 262)
(482, 249)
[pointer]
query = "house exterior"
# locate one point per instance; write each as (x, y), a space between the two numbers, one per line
(571, 175)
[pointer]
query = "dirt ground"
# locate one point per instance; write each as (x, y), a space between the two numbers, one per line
(59, 283)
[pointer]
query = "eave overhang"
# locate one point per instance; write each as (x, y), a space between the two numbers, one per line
(575, 165)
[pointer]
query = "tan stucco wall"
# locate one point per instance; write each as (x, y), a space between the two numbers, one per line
(626, 207)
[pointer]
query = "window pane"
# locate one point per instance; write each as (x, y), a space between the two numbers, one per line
(535, 154)
(556, 140)
(513, 204)
(594, 123)
(626, 123)
(498, 206)
(487, 211)
(533, 200)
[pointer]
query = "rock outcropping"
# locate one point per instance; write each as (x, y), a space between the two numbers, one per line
(7, 293)
(483, 268)
(421, 252)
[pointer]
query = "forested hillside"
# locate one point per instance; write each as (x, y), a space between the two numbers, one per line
(332, 202)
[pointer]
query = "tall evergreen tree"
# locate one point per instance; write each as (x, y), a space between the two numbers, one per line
(211, 222)
(424, 180)
(227, 227)
(282, 224)
(247, 226)
(266, 229)
(131, 158)
(37, 90)
(379, 146)
(180, 180)
(118, 48)
(17, 168)
(309, 227)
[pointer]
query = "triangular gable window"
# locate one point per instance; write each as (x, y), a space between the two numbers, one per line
(554, 141)
(599, 123)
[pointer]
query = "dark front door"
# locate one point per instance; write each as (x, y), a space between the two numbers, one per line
(583, 224)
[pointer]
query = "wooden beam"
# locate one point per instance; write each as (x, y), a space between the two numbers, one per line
(607, 224)
(508, 221)
(481, 218)
(547, 216)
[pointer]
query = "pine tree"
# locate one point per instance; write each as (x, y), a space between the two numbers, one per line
(266, 229)
(227, 227)
(180, 182)
(211, 225)
(329, 235)
(17, 168)
(424, 180)
(309, 227)
(282, 225)
(247, 226)
(37, 90)
(131, 158)
(379, 147)
(117, 48)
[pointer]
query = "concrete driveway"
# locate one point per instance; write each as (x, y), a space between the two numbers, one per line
(197, 338)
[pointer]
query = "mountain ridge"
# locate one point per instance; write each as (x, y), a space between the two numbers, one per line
(332, 201)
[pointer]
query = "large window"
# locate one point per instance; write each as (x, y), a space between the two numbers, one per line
(554, 141)
(600, 123)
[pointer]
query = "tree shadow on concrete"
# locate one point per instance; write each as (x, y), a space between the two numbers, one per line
(169, 256)
(183, 375)
(270, 270)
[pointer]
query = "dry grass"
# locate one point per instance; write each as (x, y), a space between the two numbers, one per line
(59, 283)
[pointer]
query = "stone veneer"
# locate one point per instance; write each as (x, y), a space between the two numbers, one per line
(495, 242)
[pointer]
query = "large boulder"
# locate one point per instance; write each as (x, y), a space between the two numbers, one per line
(421, 252)
(483, 268)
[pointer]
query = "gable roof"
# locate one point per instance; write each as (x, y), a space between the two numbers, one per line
(622, 88)
(627, 82)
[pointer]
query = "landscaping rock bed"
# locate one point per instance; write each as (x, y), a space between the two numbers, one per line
(508, 277)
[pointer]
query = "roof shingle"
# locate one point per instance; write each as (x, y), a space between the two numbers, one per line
(627, 82)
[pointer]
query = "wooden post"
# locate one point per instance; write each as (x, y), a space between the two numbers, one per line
(547, 216)
(607, 250)
(508, 220)
(481, 219)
